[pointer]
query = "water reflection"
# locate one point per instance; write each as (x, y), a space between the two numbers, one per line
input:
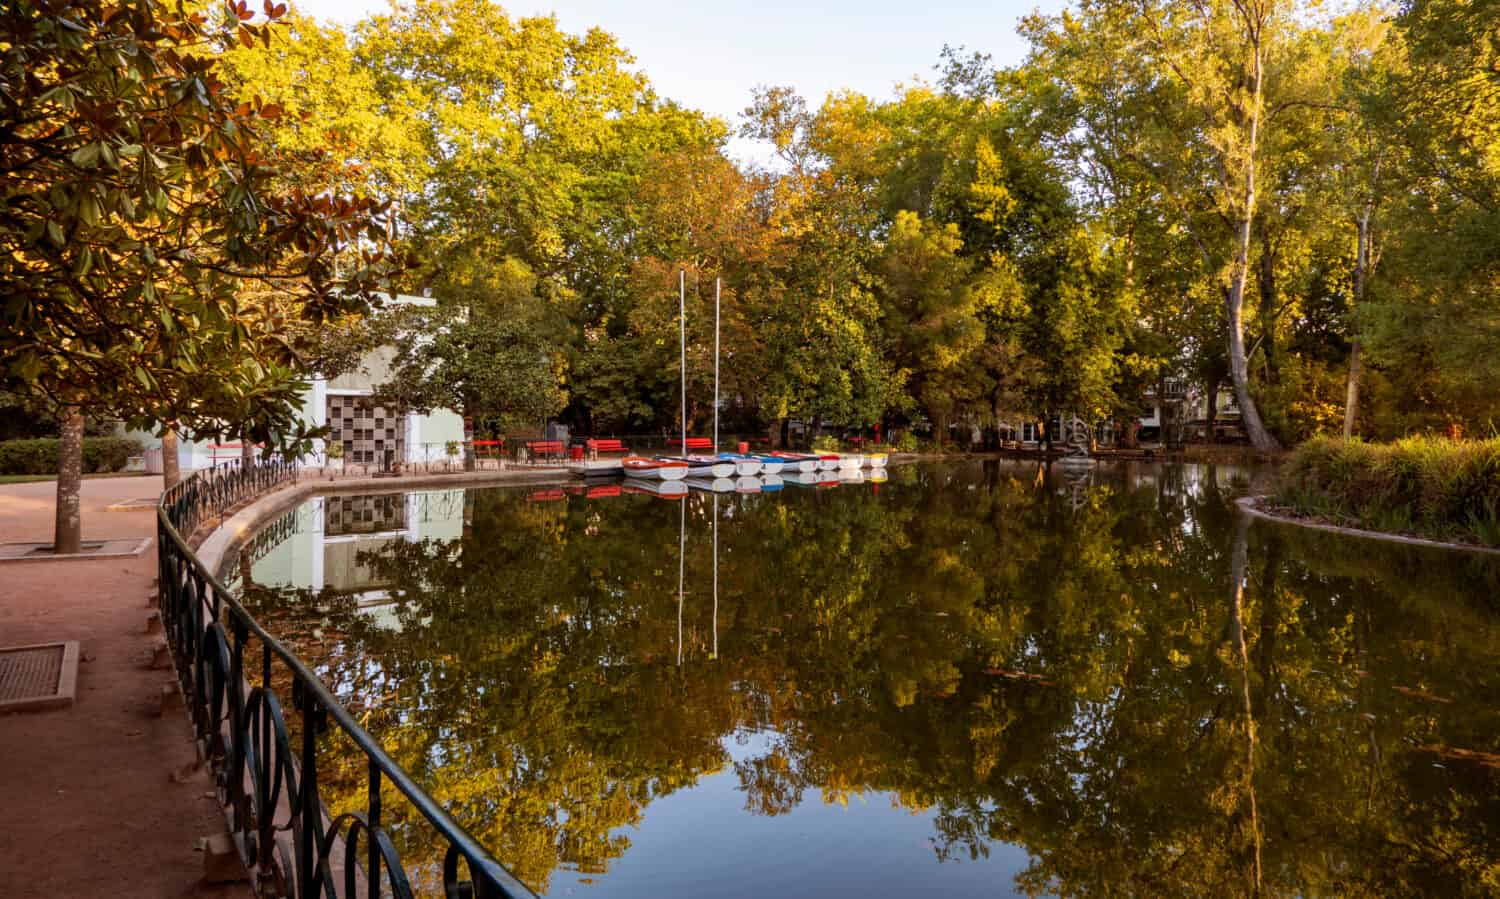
(970, 680)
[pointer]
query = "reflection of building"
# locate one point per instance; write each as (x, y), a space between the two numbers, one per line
(323, 548)
(366, 432)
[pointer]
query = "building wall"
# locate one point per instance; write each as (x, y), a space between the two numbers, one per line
(419, 437)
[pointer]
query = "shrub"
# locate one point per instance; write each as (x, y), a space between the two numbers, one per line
(1444, 488)
(39, 456)
(825, 444)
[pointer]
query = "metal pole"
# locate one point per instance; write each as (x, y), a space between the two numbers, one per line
(682, 337)
(716, 365)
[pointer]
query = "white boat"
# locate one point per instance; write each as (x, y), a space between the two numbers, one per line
(848, 461)
(744, 466)
(771, 464)
(704, 466)
(793, 462)
(828, 461)
(654, 469)
(876, 460)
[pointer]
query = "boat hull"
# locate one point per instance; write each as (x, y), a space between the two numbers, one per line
(704, 466)
(653, 470)
(876, 460)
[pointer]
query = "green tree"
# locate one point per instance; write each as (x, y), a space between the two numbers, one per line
(140, 200)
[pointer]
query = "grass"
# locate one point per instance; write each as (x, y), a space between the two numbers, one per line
(36, 478)
(1431, 486)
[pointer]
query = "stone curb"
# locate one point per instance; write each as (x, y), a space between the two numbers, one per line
(1251, 505)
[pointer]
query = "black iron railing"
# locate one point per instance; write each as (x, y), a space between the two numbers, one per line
(288, 840)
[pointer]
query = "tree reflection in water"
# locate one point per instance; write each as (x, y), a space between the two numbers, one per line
(1141, 690)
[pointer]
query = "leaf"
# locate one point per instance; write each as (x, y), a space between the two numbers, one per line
(86, 156)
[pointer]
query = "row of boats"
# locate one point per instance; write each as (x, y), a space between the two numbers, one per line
(730, 465)
(763, 483)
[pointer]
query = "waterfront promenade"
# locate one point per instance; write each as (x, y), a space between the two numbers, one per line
(101, 798)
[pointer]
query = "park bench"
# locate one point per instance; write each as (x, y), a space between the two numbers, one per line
(605, 445)
(544, 449)
(693, 443)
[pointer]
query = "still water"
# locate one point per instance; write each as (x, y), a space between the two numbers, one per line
(978, 679)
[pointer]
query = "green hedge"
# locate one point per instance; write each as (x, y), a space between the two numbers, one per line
(39, 456)
(1448, 489)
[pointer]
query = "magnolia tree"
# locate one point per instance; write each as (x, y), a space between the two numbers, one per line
(141, 206)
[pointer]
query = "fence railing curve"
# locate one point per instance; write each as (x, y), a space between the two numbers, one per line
(268, 785)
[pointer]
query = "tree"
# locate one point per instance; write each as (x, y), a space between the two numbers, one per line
(485, 366)
(139, 199)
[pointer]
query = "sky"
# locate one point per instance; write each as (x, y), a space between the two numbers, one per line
(710, 56)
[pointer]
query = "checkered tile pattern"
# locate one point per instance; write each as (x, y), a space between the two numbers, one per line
(366, 430)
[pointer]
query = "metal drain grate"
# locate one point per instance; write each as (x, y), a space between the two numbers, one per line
(38, 677)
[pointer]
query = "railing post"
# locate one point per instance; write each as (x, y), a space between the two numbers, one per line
(307, 796)
(373, 872)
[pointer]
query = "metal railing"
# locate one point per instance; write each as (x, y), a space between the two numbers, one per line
(289, 841)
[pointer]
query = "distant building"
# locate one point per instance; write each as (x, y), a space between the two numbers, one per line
(367, 432)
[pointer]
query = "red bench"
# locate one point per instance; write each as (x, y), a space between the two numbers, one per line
(607, 445)
(693, 443)
(545, 449)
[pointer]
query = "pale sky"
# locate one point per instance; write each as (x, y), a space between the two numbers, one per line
(709, 56)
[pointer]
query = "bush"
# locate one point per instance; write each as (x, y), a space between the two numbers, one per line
(1449, 489)
(825, 444)
(39, 456)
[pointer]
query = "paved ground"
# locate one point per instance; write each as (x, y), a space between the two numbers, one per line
(94, 803)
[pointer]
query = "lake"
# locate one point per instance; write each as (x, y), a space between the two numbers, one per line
(972, 679)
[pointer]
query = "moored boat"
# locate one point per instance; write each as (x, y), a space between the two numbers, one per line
(744, 466)
(876, 460)
(828, 461)
(848, 461)
(654, 469)
(771, 464)
(802, 462)
(704, 466)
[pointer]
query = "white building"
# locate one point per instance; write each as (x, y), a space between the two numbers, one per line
(365, 431)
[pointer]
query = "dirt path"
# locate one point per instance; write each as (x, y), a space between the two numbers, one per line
(94, 798)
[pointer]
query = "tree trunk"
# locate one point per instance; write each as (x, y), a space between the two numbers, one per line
(68, 532)
(1212, 414)
(1239, 369)
(1361, 274)
(171, 471)
(1234, 298)
(1268, 297)
(247, 452)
